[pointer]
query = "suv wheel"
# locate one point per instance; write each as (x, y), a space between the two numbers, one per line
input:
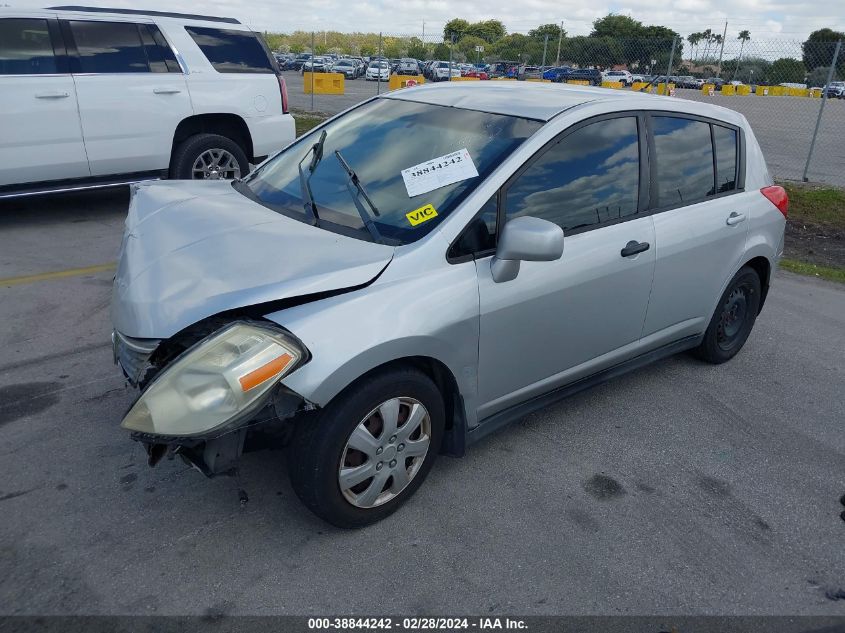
(733, 319)
(370, 449)
(208, 157)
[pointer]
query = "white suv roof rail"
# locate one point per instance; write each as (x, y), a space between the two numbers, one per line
(161, 14)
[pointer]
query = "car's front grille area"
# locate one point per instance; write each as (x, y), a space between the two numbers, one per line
(133, 355)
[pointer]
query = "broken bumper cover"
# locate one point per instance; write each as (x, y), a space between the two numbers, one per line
(218, 451)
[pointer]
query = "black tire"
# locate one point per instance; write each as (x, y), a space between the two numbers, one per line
(189, 150)
(319, 443)
(733, 318)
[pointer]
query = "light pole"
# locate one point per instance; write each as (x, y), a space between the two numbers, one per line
(559, 38)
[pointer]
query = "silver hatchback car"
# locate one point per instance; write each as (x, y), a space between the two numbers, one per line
(429, 266)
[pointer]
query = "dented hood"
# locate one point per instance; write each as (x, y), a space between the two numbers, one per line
(194, 249)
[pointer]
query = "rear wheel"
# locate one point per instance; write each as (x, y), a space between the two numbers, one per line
(208, 157)
(733, 319)
(369, 449)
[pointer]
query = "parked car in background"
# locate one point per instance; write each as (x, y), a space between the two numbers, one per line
(458, 340)
(408, 66)
(346, 67)
(530, 72)
(835, 90)
(504, 68)
(300, 60)
(622, 76)
(442, 71)
(316, 65)
(591, 75)
(475, 72)
(133, 95)
(378, 71)
(687, 81)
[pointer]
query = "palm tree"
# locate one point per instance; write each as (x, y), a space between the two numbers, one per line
(744, 36)
(707, 36)
(694, 39)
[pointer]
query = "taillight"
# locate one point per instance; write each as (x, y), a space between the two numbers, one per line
(283, 88)
(777, 196)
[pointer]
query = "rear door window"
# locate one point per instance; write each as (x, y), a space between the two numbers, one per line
(231, 51)
(725, 143)
(26, 47)
(108, 47)
(684, 160)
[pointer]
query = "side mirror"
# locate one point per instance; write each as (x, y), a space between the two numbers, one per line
(525, 239)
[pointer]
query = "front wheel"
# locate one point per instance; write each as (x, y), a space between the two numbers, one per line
(733, 319)
(370, 449)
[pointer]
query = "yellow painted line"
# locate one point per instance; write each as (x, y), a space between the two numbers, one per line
(60, 274)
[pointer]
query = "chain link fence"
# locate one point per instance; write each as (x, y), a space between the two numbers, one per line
(791, 92)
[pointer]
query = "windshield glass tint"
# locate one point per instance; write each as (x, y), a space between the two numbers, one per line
(379, 140)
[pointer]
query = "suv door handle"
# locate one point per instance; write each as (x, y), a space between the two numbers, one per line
(52, 95)
(633, 247)
(166, 91)
(735, 218)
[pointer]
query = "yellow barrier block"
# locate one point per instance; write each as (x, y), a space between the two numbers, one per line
(401, 81)
(729, 90)
(661, 89)
(466, 79)
(708, 89)
(637, 86)
(799, 92)
(616, 85)
(742, 90)
(578, 82)
(763, 91)
(324, 83)
(539, 80)
(501, 78)
(816, 93)
(778, 91)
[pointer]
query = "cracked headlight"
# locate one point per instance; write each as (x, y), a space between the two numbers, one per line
(216, 382)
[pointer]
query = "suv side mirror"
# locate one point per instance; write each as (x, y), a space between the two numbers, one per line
(525, 239)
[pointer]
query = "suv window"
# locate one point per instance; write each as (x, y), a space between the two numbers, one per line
(590, 176)
(159, 54)
(108, 47)
(684, 159)
(725, 143)
(25, 47)
(231, 51)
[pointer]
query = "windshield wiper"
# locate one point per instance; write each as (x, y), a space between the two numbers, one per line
(305, 182)
(360, 192)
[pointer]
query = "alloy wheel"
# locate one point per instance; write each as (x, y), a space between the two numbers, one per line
(384, 452)
(216, 164)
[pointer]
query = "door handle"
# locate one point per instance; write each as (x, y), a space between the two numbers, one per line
(735, 218)
(633, 247)
(51, 95)
(166, 91)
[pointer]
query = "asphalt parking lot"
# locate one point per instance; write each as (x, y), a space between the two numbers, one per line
(682, 488)
(783, 125)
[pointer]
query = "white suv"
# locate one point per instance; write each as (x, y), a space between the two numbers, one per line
(96, 97)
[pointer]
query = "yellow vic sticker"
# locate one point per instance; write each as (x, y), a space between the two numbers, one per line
(423, 214)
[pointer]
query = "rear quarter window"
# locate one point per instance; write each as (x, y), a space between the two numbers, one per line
(231, 51)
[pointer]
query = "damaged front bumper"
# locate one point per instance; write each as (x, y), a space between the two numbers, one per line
(264, 421)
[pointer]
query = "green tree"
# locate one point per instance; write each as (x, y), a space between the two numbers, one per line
(552, 30)
(615, 25)
(416, 48)
(457, 28)
(818, 76)
(744, 36)
(819, 47)
(488, 30)
(786, 70)
(441, 52)
(467, 46)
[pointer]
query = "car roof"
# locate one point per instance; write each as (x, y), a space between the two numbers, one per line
(121, 12)
(544, 101)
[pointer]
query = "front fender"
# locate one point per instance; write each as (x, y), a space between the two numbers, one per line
(430, 314)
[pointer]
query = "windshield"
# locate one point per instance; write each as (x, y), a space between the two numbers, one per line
(378, 140)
